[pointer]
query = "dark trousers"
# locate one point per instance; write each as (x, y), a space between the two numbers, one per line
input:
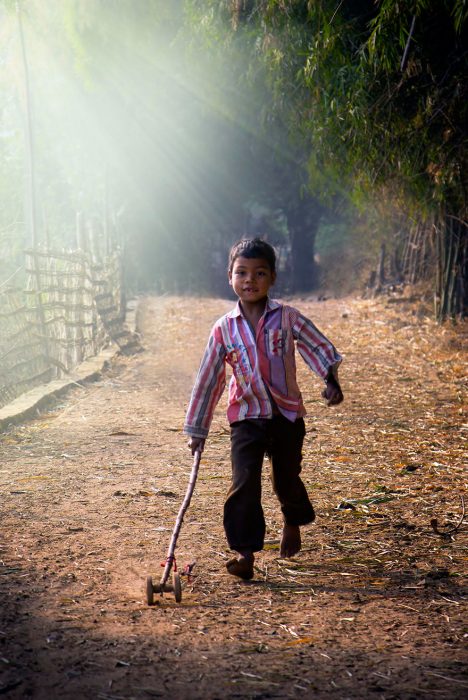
(281, 440)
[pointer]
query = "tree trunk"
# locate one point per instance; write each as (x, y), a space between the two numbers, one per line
(28, 132)
(303, 221)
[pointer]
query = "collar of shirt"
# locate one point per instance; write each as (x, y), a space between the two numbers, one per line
(271, 304)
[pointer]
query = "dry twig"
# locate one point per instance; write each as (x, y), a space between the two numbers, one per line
(449, 533)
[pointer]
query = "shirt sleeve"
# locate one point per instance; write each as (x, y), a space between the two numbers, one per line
(318, 352)
(208, 388)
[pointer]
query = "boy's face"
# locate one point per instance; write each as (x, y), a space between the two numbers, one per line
(251, 278)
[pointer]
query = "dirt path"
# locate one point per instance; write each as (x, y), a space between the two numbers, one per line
(374, 606)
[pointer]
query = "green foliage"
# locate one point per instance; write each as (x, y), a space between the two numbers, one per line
(425, 100)
(370, 96)
(187, 118)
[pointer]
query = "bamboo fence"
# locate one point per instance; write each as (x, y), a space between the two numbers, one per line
(70, 309)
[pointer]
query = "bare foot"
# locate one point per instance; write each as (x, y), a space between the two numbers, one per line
(290, 541)
(241, 565)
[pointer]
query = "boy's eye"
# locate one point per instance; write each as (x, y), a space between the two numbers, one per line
(242, 273)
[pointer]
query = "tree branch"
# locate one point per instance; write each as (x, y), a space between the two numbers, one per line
(404, 60)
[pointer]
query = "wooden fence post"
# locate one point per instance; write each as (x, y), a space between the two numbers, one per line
(39, 307)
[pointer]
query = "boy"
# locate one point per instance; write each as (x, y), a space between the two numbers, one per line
(265, 408)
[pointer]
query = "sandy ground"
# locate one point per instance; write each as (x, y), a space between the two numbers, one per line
(374, 606)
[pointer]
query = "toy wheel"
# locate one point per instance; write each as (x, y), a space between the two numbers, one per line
(149, 591)
(177, 587)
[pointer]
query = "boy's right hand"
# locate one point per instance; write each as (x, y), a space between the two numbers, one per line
(196, 444)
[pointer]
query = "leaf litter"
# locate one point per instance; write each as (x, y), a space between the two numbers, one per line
(375, 586)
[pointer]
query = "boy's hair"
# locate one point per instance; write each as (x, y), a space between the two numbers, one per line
(253, 248)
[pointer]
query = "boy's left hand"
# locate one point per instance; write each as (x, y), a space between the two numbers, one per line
(332, 393)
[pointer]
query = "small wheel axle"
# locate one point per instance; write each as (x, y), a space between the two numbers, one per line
(175, 587)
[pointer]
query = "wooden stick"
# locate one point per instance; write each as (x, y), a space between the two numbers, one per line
(180, 517)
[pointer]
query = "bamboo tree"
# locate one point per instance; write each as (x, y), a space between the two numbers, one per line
(374, 98)
(31, 199)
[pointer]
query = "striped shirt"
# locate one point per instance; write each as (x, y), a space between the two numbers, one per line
(263, 366)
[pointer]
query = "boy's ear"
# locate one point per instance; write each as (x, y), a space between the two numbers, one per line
(230, 277)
